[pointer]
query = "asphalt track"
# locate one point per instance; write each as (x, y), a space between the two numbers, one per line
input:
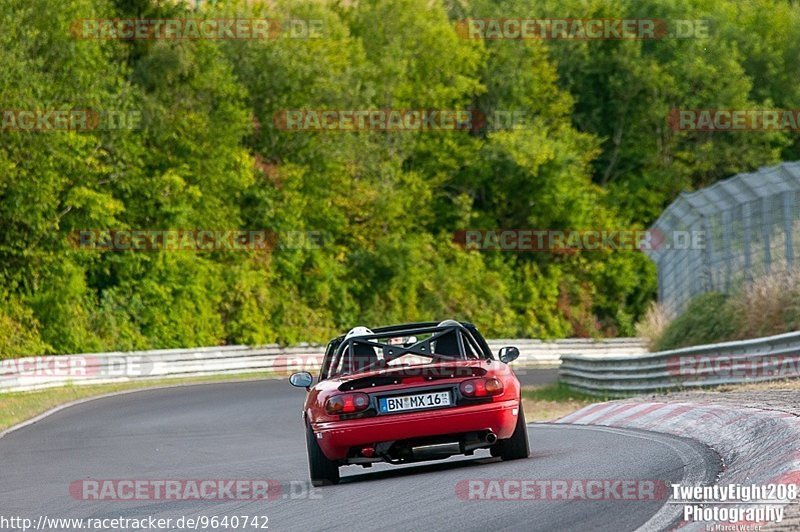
(253, 430)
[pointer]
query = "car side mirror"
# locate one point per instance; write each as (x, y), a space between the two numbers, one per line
(302, 379)
(508, 354)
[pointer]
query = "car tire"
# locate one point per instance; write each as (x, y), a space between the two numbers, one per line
(323, 472)
(515, 447)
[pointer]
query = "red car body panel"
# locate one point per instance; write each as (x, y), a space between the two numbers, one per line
(497, 414)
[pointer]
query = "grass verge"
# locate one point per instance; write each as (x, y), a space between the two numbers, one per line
(16, 407)
(765, 386)
(550, 402)
(791, 384)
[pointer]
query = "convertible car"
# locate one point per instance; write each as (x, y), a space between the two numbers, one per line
(409, 393)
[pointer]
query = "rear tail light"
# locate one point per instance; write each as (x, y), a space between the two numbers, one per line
(481, 387)
(347, 403)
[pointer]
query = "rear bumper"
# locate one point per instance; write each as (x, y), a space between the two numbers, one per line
(337, 437)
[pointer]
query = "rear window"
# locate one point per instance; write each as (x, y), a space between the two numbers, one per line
(362, 354)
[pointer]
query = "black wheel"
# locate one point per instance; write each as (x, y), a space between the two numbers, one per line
(323, 472)
(515, 447)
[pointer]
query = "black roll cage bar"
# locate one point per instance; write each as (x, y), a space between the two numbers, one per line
(392, 352)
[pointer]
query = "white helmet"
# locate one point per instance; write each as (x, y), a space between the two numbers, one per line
(357, 331)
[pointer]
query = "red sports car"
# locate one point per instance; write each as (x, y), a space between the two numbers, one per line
(408, 393)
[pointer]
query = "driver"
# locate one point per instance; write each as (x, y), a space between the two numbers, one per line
(447, 344)
(363, 355)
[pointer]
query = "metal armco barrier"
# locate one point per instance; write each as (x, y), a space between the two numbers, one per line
(760, 359)
(38, 372)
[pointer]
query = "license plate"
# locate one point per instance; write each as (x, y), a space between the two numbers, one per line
(414, 402)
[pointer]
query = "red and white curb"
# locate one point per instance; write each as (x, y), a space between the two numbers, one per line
(757, 446)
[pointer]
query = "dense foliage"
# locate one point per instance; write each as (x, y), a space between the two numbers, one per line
(706, 320)
(595, 151)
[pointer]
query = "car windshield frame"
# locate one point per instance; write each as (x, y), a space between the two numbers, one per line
(470, 347)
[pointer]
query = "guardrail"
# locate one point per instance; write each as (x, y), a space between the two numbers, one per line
(755, 360)
(98, 368)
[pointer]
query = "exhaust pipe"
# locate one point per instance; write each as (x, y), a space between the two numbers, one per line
(479, 441)
(436, 450)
